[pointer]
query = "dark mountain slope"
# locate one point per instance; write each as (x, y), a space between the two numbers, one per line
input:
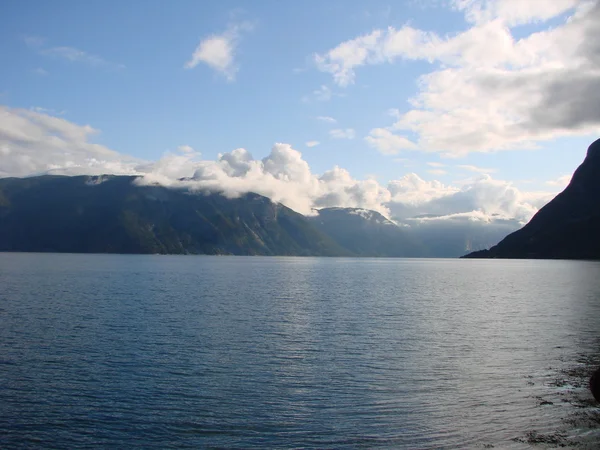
(110, 214)
(566, 228)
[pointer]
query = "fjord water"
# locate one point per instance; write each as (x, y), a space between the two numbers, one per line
(239, 352)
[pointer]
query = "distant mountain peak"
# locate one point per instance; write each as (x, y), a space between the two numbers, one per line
(368, 215)
(366, 232)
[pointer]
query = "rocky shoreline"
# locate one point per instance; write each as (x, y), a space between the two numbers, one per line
(568, 388)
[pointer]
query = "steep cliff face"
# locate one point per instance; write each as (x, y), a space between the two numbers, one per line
(566, 228)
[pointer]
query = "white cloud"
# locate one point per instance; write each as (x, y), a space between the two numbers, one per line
(513, 12)
(41, 72)
(437, 172)
(412, 190)
(48, 111)
(68, 53)
(339, 133)
(186, 149)
(560, 182)
(436, 164)
(33, 143)
(75, 55)
(326, 119)
(36, 142)
(218, 51)
(387, 142)
(483, 197)
(312, 143)
(471, 168)
(489, 90)
(342, 60)
(323, 94)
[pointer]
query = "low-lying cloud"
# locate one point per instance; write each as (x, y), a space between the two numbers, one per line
(33, 143)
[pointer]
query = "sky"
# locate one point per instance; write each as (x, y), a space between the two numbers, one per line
(458, 108)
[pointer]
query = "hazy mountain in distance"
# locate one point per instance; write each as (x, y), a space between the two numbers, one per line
(453, 236)
(367, 233)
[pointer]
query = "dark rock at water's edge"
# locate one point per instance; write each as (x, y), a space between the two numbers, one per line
(595, 385)
(566, 228)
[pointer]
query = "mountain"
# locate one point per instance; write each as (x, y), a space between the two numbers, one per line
(367, 233)
(451, 237)
(566, 228)
(111, 214)
(114, 214)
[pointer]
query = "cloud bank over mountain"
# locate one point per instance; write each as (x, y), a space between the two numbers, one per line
(33, 143)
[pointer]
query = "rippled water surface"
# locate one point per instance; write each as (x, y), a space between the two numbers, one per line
(238, 352)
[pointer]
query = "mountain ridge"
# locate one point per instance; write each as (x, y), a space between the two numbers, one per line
(109, 214)
(117, 214)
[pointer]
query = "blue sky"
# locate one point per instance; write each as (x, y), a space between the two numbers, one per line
(271, 71)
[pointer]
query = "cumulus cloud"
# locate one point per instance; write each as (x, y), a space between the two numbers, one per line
(339, 133)
(218, 51)
(283, 176)
(489, 90)
(387, 142)
(33, 143)
(312, 143)
(560, 182)
(513, 12)
(482, 197)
